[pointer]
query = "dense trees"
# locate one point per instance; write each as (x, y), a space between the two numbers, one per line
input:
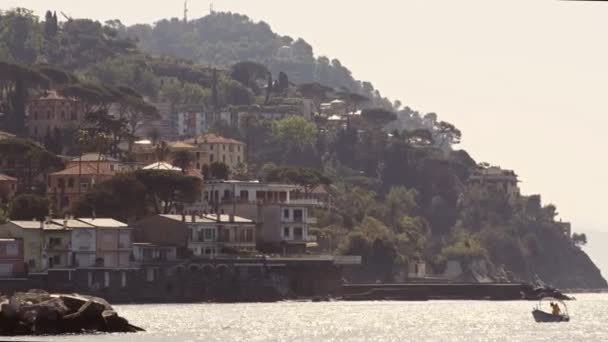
(28, 207)
(132, 195)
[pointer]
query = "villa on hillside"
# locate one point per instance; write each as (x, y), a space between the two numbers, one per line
(66, 187)
(205, 149)
(52, 112)
(498, 178)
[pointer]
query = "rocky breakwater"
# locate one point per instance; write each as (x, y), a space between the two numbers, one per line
(38, 312)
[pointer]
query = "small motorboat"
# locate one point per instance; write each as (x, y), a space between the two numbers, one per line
(554, 315)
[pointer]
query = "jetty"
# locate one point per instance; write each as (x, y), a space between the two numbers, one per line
(450, 291)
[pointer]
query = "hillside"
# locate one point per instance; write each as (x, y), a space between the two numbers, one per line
(399, 189)
(223, 39)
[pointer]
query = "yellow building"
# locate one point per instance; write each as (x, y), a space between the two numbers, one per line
(38, 237)
(205, 149)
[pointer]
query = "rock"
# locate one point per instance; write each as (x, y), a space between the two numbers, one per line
(40, 313)
(114, 323)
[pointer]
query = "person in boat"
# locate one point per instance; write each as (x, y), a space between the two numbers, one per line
(556, 311)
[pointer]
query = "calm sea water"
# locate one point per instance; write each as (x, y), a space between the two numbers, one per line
(358, 321)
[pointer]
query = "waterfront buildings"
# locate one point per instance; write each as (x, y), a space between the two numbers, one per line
(11, 258)
(205, 235)
(34, 234)
(72, 243)
(110, 240)
(282, 221)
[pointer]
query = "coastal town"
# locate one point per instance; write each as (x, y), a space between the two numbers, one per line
(156, 179)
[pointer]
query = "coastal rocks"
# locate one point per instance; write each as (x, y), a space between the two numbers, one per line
(37, 312)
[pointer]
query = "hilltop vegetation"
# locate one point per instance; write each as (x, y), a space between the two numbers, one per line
(399, 189)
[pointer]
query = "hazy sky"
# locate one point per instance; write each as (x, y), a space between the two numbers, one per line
(525, 80)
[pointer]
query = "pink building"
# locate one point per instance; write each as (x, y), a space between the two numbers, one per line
(11, 258)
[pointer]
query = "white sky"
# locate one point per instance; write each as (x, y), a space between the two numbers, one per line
(524, 80)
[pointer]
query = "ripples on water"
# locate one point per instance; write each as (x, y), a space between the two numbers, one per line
(359, 321)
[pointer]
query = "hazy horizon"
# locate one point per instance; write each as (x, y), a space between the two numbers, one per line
(522, 79)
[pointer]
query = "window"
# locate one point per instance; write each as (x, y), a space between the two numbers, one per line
(209, 234)
(211, 147)
(286, 233)
(298, 233)
(227, 195)
(61, 183)
(70, 182)
(244, 195)
(286, 213)
(55, 260)
(211, 158)
(198, 155)
(224, 147)
(111, 167)
(298, 215)
(224, 158)
(231, 148)
(54, 241)
(249, 235)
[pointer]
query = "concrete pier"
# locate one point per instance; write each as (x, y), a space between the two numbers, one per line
(493, 291)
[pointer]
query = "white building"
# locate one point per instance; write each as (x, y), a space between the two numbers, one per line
(101, 242)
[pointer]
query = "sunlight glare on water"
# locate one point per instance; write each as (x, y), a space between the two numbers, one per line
(360, 321)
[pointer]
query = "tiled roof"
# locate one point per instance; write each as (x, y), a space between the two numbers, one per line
(5, 178)
(104, 223)
(194, 173)
(162, 166)
(212, 139)
(86, 169)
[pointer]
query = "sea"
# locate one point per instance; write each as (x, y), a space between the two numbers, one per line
(456, 321)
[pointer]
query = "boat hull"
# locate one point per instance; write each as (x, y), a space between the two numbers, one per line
(543, 317)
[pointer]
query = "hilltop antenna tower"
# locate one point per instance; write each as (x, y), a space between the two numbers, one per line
(185, 11)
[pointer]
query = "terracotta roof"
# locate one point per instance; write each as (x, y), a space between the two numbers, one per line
(212, 139)
(85, 169)
(5, 178)
(194, 173)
